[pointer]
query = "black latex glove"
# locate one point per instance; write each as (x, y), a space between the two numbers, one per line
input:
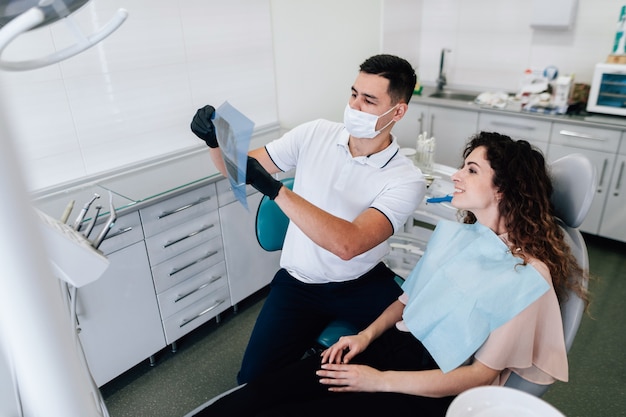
(260, 179)
(203, 127)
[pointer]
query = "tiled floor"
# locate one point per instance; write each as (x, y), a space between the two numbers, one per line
(207, 360)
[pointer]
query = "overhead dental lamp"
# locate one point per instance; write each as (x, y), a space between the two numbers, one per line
(19, 16)
(42, 368)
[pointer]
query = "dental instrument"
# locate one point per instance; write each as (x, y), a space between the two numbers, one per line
(108, 225)
(83, 212)
(93, 222)
(67, 211)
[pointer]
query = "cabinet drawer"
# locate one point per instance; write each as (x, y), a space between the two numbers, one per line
(192, 290)
(516, 127)
(185, 236)
(225, 193)
(177, 210)
(187, 264)
(126, 231)
(586, 137)
(196, 314)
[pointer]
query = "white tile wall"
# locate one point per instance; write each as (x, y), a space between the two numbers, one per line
(132, 96)
(492, 41)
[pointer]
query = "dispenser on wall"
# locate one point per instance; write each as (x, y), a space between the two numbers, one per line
(553, 14)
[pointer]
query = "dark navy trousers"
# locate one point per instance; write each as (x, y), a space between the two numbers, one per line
(294, 314)
(295, 391)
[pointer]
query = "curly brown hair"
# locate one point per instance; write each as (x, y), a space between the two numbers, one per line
(523, 179)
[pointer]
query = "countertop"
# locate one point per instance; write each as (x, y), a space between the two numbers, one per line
(140, 184)
(514, 109)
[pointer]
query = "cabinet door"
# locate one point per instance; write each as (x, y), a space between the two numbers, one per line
(249, 267)
(614, 217)
(414, 121)
(118, 315)
(451, 129)
(603, 161)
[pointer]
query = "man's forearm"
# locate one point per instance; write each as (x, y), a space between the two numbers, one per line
(218, 160)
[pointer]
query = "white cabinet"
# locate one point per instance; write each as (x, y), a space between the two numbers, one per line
(407, 129)
(171, 266)
(118, 314)
(451, 128)
(250, 268)
(614, 217)
(533, 130)
(183, 238)
(600, 146)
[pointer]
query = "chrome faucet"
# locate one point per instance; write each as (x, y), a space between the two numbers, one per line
(441, 80)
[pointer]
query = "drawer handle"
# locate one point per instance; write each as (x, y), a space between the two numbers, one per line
(202, 313)
(579, 135)
(206, 284)
(619, 179)
(119, 232)
(185, 207)
(512, 125)
(192, 234)
(602, 173)
(432, 125)
(182, 268)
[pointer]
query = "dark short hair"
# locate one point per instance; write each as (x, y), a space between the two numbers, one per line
(398, 71)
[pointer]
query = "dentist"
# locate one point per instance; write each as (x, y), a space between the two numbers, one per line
(352, 191)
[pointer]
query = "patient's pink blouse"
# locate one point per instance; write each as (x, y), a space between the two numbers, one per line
(531, 344)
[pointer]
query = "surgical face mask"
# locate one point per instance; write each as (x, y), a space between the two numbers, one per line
(363, 125)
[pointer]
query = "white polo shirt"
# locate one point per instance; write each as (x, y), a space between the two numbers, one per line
(329, 177)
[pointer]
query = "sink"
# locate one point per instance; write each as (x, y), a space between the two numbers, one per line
(454, 95)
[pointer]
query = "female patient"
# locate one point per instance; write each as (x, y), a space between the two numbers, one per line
(480, 304)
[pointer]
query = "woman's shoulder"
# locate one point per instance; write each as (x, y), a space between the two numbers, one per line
(542, 268)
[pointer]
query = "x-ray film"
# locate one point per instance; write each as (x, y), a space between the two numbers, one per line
(234, 130)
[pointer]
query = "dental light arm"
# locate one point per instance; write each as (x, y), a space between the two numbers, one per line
(35, 16)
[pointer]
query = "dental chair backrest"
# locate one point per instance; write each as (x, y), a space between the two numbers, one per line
(574, 182)
(271, 222)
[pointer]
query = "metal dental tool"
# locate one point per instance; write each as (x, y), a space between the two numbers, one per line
(108, 225)
(83, 212)
(93, 222)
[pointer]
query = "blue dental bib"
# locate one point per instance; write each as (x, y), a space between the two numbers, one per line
(466, 285)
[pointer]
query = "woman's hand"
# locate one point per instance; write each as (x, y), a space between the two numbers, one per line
(351, 378)
(345, 349)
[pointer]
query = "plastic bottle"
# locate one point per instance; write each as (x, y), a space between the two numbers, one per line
(619, 45)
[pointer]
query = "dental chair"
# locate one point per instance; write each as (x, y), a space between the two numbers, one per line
(574, 182)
